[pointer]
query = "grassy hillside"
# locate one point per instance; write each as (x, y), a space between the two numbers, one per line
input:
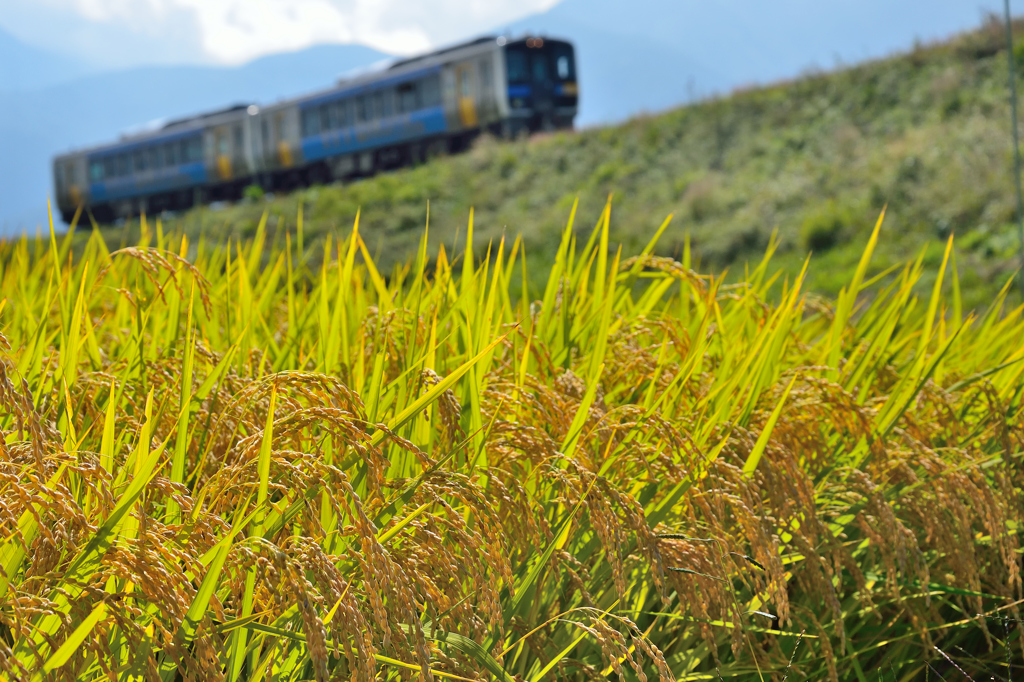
(816, 158)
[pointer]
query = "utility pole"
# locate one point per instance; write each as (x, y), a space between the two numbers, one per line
(1016, 139)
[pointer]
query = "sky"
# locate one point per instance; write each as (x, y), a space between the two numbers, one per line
(129, 33)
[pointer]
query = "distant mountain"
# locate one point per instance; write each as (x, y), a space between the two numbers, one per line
(28, 68)
(37, 123)
(650, 54)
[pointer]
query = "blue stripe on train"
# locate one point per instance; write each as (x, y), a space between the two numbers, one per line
(151, 182)
(398, 129)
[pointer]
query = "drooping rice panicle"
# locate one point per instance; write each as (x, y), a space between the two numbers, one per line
(246, 462)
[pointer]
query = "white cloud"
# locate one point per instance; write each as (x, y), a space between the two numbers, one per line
(234, 31)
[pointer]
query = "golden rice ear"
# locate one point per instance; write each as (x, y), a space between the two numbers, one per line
(324, 471)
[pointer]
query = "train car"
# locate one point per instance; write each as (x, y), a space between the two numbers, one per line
(400, 115)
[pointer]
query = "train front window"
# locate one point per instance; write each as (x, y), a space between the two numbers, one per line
(539, 62)
(564, 65)
(517, 68)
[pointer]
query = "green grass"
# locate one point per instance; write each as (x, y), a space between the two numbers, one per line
(230, 460)
(926, 132)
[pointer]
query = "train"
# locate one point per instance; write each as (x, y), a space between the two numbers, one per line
(401, 114)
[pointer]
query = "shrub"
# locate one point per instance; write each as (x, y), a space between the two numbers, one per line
(825, 226)
(253, 193)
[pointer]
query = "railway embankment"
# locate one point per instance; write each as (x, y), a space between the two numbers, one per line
(816, 159)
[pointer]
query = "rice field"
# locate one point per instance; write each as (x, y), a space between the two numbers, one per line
(268, 460)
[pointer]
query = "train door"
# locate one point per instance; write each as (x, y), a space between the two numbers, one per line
(284, 150)
(222, 152)
(543, 85)
(488, 99)
(240, 164)
(76, 180)
(465, 92)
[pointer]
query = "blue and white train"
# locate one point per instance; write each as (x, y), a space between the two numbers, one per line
(401, 115)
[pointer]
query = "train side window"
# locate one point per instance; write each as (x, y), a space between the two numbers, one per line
(360, 109)
(239, 139)
(138, 161)
(123, 163)
(171, 154)
(342, 114)
(431, 91)
(150, 155)
(195, 149)
(96, 171)
(408, 96)
(158, 156)
(464, 82)
(109, 167)
(378, 105)
(389, 102)
(310, 122)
